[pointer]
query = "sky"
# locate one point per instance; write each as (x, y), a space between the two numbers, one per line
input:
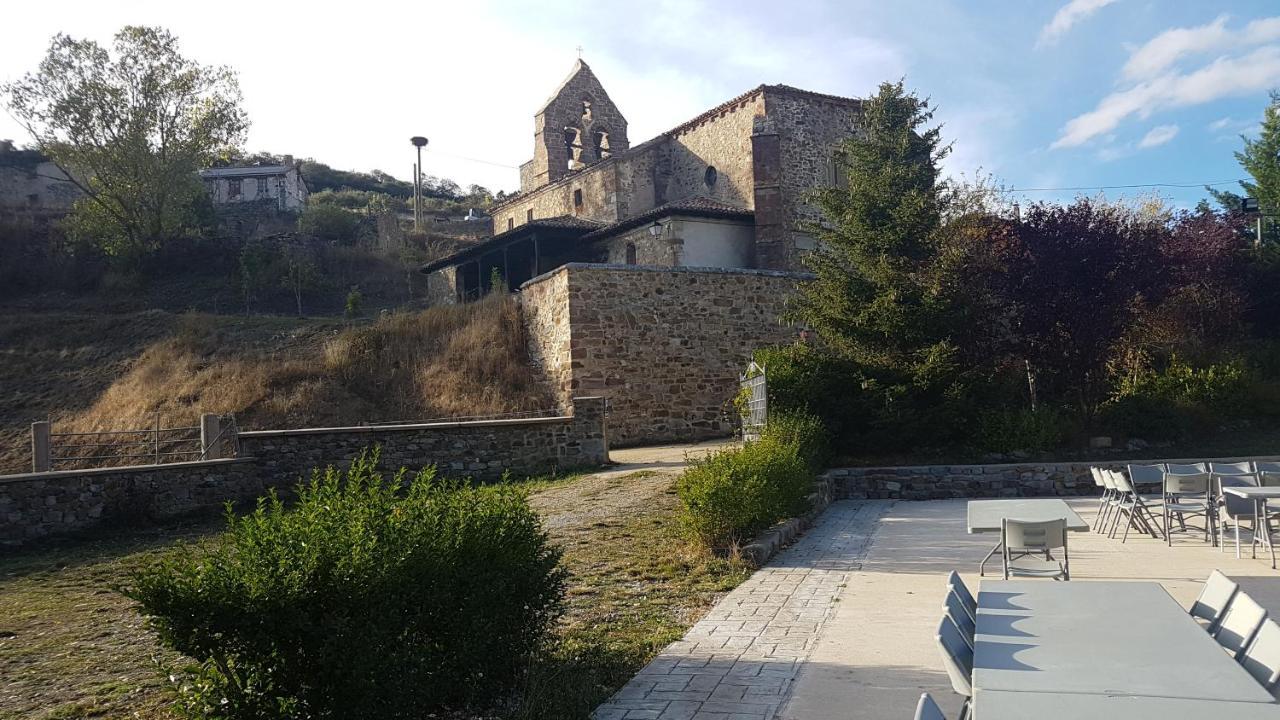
(1042, 95)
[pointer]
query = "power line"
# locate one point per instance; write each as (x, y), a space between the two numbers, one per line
(1129, 187)
(475, 160)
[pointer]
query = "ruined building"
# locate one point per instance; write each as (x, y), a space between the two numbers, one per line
(726, 189)
(649, 273)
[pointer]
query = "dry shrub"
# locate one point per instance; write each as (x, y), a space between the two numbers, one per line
(449, 361)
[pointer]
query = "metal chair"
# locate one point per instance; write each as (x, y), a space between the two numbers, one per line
(1270, 466)
(954, 608)
(1235, 468)
(1262, 658)
(1215, 597)
(1239, 624)
(1235, 508)
(957, 657)
(1140, 475)
(1185, 468)
(957, 586)
(1131, 506)
(1021, 540)
(1110, 498)
(927, 709)
(1187, 495)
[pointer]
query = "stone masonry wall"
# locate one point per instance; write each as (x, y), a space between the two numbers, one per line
(544, 306)
(36, 505)
(665, 346)
(937, 482)
(722, 141)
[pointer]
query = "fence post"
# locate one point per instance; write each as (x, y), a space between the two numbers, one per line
(210, 437)
(40, 449)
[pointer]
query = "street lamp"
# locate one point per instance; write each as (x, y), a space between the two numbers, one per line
(418, 142)
(655, 230)
(1249, 206)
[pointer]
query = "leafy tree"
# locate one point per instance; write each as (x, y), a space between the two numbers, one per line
(131, 125)
(300, 271)
(1261, 159)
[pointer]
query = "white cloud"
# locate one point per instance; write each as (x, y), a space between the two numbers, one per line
(1158, 135)
(1166, 49)
(1067, 16)
(1224, 77)
(1220, 123)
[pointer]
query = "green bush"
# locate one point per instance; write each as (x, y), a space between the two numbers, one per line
(728, 497)
(1009, 429)
(1179, 401)
(806, 432)
(802, 378)
(374, 596)
(330, 223)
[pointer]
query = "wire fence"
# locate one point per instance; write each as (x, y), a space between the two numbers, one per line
(522, 414)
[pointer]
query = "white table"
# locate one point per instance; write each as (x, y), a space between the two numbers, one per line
(1002, 705)
(1127, 639)
(987, 516)
(1259, 496)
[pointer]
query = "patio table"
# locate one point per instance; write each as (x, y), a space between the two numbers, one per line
(1259, 496)
(986, 516)
(1004, 705)
(1099, 638)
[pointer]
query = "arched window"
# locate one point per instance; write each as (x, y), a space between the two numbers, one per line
(573, 147)
(710, 176)
(631, 253)
(600, 141)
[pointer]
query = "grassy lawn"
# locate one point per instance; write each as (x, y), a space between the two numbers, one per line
(71, 647)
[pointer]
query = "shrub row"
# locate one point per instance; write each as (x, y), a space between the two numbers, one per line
(728, 497)
(373, 596)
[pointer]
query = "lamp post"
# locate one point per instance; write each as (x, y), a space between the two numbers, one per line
(1249, 206)
(418, 142)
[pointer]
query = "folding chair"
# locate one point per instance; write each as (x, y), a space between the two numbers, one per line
(1021, 540)
(1239, 624)
(957, 586)
(927, 709)
(1215, 597)
(957, 659)
(1188, 495)
(1262, 658)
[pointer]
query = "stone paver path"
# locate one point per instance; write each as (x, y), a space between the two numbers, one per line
(738, 662)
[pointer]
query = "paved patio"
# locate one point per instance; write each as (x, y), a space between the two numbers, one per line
(840, 626)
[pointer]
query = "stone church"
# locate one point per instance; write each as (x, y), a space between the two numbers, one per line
(726, 189)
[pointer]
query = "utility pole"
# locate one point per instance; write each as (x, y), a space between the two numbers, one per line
(418, 142)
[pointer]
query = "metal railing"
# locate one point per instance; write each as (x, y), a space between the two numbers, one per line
(215, 437)
(755, 389)
(523, 414)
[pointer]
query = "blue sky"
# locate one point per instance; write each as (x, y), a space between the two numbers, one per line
(1044, 94)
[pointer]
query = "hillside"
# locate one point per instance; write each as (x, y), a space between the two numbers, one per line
(93, 371)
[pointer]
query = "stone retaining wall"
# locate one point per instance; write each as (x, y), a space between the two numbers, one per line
(1030, 479)
(483, 450)
(37, 505)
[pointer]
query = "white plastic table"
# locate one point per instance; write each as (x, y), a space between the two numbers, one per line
(1259, 496)
(1002, 705)
(986, 516)
(1103, 639)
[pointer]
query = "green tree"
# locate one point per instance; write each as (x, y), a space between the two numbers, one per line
(874, 300)
(131, 125)
(300, 271)
(329, 223)
(1261, 159)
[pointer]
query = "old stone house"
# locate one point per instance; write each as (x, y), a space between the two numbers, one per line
(727, 189)
(281, 186)
(32, 187)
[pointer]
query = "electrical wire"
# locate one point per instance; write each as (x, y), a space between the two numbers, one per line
(1130, 187)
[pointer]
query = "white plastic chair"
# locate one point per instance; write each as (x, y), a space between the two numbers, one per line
(957, 586)
(927, 709)
(1188, 495)
(1110, 499)
(1240, 623)
(1185, 468)
(1021, 540)
(1215, 597)
(953, 606)
(1235, 468)
(1262, 658)
(1131, 506)
(1235, 508)
(957, 657)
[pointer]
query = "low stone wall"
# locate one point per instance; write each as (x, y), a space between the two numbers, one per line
(37, 505)
(938, 482)
(483, 450)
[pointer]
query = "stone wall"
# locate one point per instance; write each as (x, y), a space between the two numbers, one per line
(483, 450)
(937, 482)
(722, 141)
(36, 505)
(665, 346)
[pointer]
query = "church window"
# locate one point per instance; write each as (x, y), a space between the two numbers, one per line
(836, 174)
(577, 201)
(528, 215)
(600, 140)
(511, 222)
(573, 147)
(586, 108)
(710, 176)
(631, 253)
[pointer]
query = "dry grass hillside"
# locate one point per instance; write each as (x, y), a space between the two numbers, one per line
(99, 372)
